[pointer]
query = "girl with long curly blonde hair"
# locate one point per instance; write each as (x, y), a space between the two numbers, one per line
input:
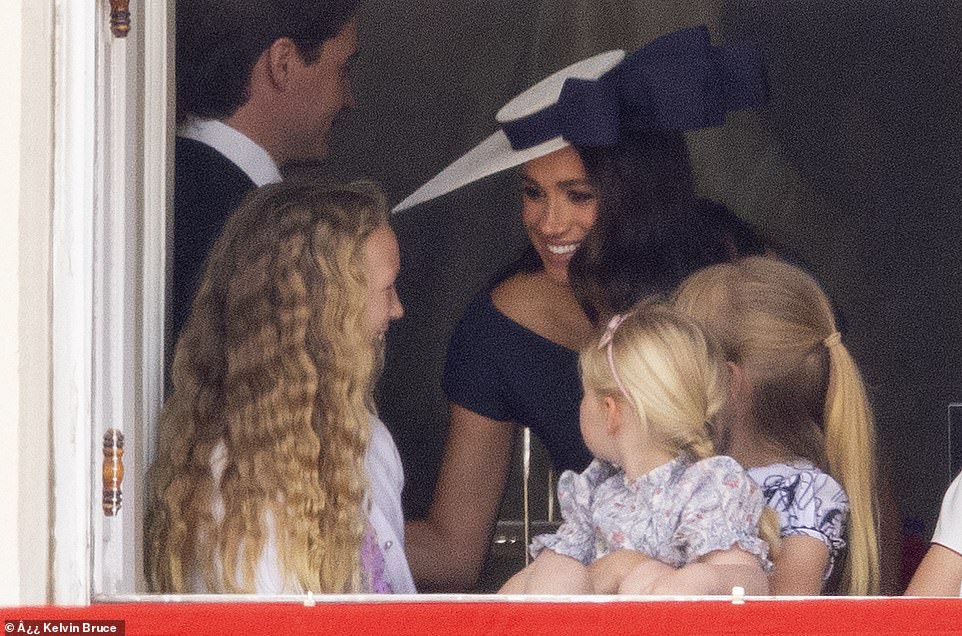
(799, 417)
(260, 482)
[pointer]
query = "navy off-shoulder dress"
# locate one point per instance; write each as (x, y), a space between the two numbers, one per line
(503, 371)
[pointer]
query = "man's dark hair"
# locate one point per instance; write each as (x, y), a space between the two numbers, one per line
(219, 41)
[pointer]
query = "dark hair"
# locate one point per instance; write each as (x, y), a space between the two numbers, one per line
(651, 231)
(738, 237)
(219, 41)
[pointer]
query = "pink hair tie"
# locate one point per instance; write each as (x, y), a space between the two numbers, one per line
(606, 341)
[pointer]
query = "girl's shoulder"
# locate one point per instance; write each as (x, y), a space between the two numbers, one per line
(577, 491)
(809, 502)
(597, 472)
(716, 473)
(715, 495)
(716, 465)
(717, 461)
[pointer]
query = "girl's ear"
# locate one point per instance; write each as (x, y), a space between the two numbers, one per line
(739, 392)
(737, 382)
(614, 414)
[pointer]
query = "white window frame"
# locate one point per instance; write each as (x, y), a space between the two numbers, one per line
(112, 174)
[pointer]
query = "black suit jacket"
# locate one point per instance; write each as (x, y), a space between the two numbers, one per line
(207, 188)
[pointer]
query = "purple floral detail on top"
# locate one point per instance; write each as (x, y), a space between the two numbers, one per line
(675, 513)
(372, 564)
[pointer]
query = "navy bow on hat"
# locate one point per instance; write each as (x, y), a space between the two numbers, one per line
(677, 82)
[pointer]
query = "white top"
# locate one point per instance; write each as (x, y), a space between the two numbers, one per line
(240, 149)
(948, 531)
(386, 476)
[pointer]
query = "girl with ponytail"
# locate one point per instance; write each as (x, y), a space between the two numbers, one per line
(798, 418)
(657, 511)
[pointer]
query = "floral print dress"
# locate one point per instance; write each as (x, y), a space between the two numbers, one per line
(675, 513)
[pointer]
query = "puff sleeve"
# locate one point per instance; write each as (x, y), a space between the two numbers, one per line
(809, 502)
(576, 535)
(819, 510)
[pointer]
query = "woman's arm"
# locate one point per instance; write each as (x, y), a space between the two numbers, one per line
(939, 573)
(446, 550)
(799, 567)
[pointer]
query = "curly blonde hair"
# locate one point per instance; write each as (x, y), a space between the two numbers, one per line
(808, 397)
(276, 364)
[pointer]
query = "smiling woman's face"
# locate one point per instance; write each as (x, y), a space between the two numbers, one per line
(558, 207)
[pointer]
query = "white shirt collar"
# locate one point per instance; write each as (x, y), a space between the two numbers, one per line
(240, 149)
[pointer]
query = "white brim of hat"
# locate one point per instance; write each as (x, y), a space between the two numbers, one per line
(492, 155)
(495, 153)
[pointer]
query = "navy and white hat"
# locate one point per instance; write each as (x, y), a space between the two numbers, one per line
(677, 82)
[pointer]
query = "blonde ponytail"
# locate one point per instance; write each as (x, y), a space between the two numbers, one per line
(850, 450)
(702, 443)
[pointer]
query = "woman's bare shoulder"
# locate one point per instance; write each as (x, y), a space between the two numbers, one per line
(519, 298)
(543, 307)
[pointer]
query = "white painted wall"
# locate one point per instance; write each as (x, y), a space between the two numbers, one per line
(26, 159)
(10, 109)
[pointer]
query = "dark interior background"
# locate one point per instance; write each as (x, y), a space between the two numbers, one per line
(854, 165)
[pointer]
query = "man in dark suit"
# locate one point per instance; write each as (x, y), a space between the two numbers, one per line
(259, 83)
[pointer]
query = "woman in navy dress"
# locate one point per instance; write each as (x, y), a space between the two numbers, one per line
(606, 191)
